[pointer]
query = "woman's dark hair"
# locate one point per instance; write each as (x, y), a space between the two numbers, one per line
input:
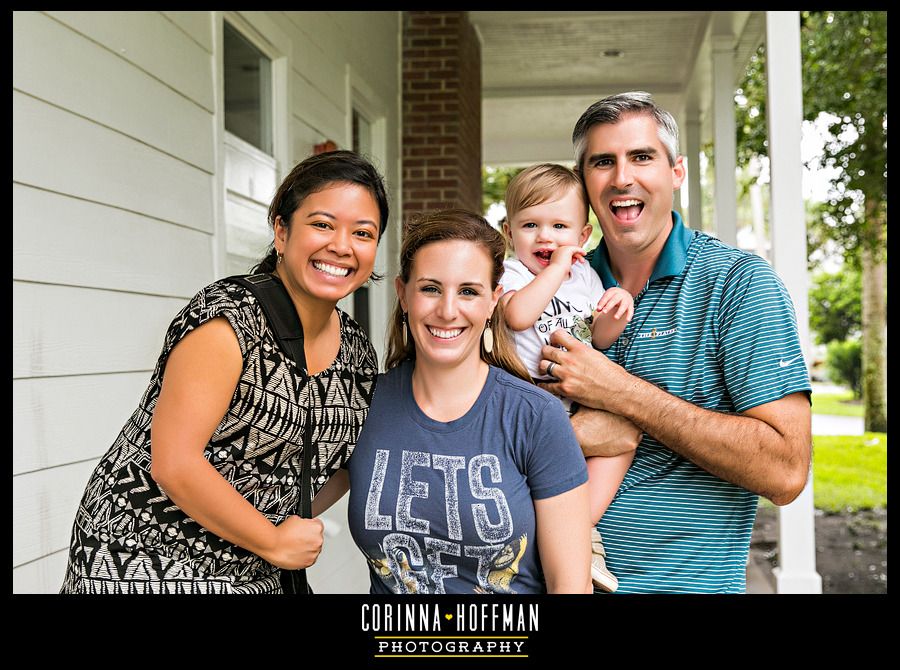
(315, 174)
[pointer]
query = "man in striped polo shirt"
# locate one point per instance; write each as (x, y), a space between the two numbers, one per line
(710, 368)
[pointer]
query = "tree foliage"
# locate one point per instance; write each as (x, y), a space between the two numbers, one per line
(845, 75)
(845, 91)
(834, 309)
(494, 181)
(845, 82)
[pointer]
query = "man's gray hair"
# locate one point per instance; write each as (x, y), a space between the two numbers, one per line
(612, 109)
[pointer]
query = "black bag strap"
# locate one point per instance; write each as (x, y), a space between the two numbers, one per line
(280, 312)
(285, 322)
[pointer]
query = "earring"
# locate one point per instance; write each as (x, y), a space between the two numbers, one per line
(488, 337)
(403, 326)
(280, 257)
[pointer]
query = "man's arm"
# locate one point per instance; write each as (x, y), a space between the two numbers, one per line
(603, 434)
(766, 449)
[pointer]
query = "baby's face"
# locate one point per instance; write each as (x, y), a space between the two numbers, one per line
(539, 230)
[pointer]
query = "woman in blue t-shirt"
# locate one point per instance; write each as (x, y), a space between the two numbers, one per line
(466, 477)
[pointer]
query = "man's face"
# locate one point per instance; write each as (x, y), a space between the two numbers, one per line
(630, 183)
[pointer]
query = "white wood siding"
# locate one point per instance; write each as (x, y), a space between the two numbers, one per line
(119, 201)
(198, 25)
(153, 43)
(124, 107)
(65, 330)
(44, 505)
(104, 247)
(41, 576)
(318, 111)
(60, 420)
(105, 166)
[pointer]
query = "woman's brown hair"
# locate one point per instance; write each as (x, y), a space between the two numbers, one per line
(440, 226)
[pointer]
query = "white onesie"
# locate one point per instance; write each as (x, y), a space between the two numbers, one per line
(577, 296)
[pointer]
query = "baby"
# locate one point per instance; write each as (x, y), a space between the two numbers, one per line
(549, 285)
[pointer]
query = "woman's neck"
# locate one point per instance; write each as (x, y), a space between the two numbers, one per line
(447, 393)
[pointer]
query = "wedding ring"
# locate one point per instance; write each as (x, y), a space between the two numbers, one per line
(550, 366)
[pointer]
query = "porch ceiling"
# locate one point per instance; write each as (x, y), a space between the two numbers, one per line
(541, 70)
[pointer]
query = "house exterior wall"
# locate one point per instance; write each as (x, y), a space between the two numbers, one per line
(120, 215)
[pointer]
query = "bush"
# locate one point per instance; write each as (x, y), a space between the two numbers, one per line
(844, 362)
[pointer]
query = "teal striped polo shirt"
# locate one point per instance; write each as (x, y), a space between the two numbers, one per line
(715, 326)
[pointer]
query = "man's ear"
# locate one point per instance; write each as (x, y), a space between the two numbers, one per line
(679, 172)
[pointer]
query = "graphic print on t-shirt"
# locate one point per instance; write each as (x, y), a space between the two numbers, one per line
(409, 559)
(561, 314)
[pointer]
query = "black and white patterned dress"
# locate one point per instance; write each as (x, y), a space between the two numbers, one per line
(130, 537)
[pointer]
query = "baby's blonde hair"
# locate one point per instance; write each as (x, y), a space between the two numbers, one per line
(540, 183)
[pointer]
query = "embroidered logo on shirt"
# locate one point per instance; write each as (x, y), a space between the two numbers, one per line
(783, 363)
(654, 333)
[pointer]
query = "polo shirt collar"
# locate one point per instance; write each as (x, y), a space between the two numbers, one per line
(670, 263)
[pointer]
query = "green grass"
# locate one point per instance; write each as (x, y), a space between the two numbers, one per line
(836, 404)
(849, 471)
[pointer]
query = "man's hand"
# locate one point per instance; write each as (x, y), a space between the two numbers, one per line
(765, 449)
(585, 375)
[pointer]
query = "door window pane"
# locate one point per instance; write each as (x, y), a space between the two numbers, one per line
(248, 91)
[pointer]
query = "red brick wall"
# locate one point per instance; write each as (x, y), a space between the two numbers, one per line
(441, 112)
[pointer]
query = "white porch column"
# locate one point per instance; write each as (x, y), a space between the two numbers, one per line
(692, 148)
(725, 138)
(796, 546)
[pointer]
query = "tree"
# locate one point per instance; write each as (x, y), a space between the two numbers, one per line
(494, 181)
(844, 87)
(834, 306)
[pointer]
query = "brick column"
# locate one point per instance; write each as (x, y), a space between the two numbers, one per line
(441, 112)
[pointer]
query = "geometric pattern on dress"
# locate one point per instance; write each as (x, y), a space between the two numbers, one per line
(130, 537)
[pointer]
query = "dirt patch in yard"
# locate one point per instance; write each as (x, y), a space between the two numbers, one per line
(851, 549)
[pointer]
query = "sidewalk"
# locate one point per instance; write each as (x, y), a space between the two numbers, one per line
(825, 424)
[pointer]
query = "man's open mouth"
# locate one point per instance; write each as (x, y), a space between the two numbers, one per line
(626, 210)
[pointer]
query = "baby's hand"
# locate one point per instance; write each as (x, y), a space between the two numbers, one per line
(567, 255)
(616, 302)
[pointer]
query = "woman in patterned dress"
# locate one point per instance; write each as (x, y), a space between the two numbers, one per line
(198, 492)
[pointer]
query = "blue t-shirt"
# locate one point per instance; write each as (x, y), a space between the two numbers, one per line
(449, 507)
